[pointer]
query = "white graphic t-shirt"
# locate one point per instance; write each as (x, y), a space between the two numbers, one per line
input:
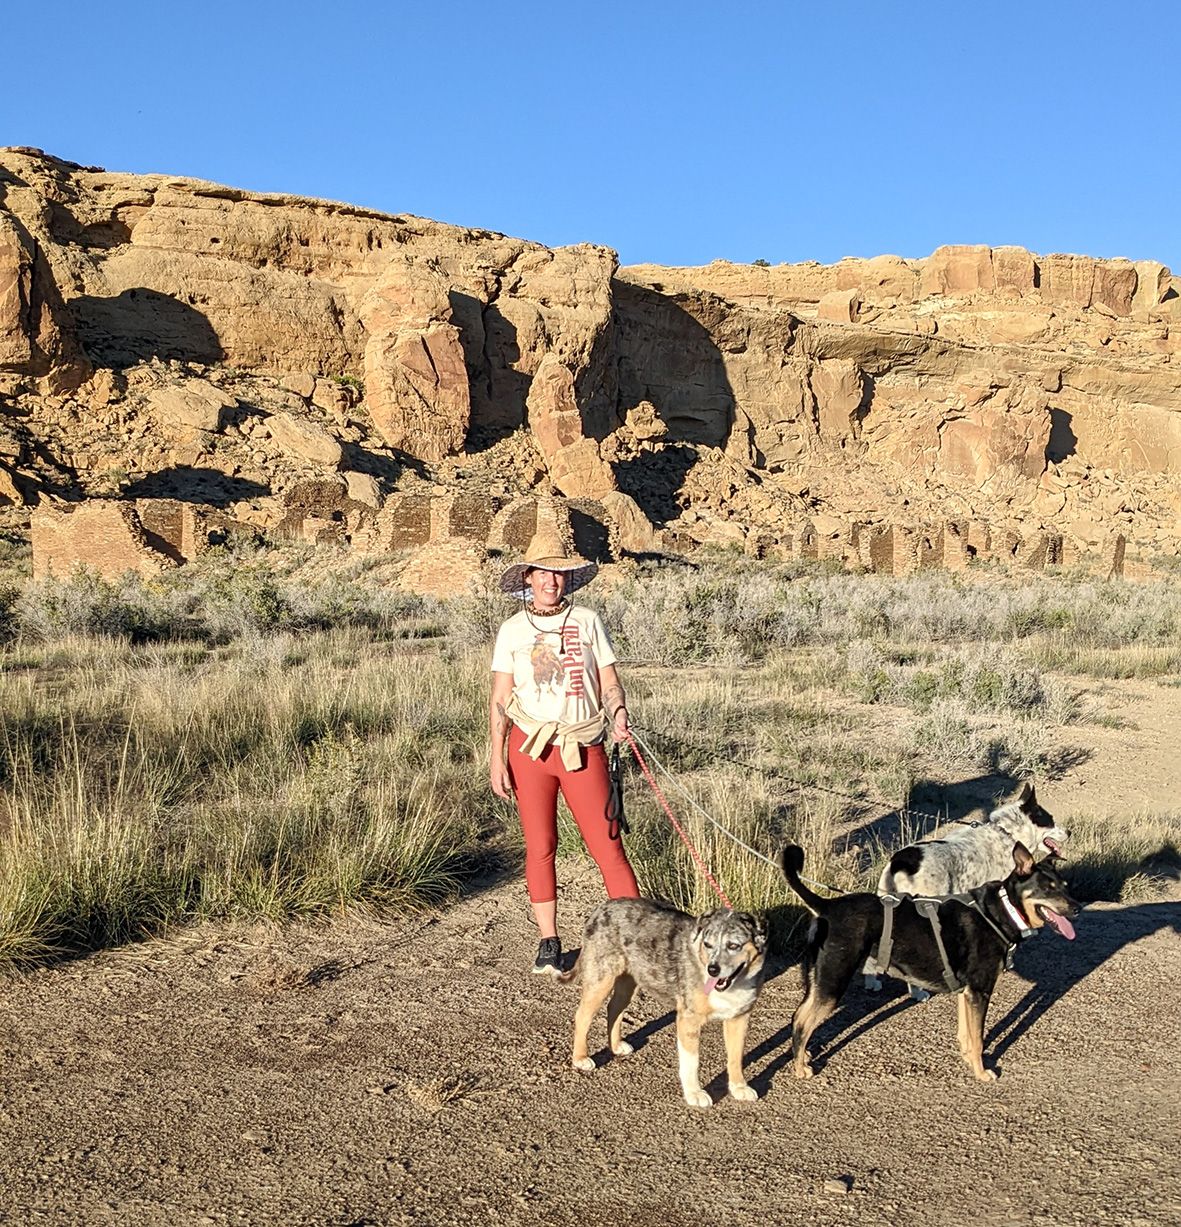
(555, 662)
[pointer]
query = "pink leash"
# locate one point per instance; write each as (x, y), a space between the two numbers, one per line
(721, 894)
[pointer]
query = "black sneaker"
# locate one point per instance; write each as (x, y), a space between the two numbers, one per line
(549, 957)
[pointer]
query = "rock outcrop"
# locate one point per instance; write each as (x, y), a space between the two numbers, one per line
(164, 337)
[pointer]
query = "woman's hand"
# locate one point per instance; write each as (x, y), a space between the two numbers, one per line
(620, 726)
(502, 782)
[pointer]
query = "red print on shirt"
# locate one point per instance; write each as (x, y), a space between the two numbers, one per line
(572, 661)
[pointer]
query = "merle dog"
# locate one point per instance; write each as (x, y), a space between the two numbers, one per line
(710, 967)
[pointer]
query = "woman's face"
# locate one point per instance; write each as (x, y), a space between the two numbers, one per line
(547, 587)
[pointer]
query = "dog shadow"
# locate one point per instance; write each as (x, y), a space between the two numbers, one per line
(1051, 970)
(1054, 972)
(942, 802)
(859, 1013)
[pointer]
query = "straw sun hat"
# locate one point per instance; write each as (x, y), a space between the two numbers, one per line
(547, 552)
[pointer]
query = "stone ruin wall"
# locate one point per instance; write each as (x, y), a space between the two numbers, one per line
(447, 538)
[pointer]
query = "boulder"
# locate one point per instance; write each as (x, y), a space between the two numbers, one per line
(11, 493)
(363, 488)
(839, 306)
(957, 270)
(415, 379)
(15, 276)
(195, 405)
(1152, 282)
(1014, 271)
(579, 471)
(304, 439)
(840, 388)
(575, 464)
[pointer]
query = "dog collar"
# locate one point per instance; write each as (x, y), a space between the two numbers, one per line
(1024, 928)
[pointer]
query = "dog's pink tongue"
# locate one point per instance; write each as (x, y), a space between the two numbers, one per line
(710, 984)
(1060, 924)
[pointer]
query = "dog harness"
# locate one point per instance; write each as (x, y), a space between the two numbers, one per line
(879, 959)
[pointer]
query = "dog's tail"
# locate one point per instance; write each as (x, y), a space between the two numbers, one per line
(572, 972)
(791, 862)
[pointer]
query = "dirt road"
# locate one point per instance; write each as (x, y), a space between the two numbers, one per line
(386, 1075)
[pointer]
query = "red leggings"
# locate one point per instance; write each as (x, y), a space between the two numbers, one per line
(536, 783)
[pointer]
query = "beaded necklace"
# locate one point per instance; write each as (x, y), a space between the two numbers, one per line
(531, 611)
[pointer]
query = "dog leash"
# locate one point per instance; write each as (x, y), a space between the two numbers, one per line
(634, 737)
(617, 823)
(709, 877)
(804, 785)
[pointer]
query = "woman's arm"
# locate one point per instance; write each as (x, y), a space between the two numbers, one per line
(498, 726)
(614, 701)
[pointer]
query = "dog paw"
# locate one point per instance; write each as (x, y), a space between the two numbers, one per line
(802, 1071)
(586, 1064)
(743, 1092)
(986, 1075)
(698, 1099)
(873, 984)
(623, 1049)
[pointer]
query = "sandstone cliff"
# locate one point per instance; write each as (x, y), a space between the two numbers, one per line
(166, 338)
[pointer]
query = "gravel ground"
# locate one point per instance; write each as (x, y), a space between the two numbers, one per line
(416, 1073)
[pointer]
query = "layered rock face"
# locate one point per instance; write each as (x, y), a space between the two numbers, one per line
(163, 336)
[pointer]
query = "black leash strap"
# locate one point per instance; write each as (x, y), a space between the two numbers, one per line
(617, 823)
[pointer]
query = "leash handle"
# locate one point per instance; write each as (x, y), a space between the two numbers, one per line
(617, 823)
(709, 877)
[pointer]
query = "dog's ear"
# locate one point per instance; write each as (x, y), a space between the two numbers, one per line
(758, 930)
(1027, 798)
(1022, 860)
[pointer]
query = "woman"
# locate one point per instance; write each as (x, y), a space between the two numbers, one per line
(555, 694)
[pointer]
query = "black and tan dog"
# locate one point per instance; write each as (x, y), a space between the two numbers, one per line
(977, 931)
(711, 968)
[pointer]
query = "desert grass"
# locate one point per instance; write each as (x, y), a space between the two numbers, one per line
(250, 737)
(272, 778)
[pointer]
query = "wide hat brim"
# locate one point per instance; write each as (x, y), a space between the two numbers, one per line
(577, 570)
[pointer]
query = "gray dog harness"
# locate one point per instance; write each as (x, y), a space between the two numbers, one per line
(879, 959)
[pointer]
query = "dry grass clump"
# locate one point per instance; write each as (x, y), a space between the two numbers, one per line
(229, 593)
(1122, 857)
(268, 780)
(747, 610)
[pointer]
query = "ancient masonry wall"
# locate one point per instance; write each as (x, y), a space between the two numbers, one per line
(112, 537)
(104, 536)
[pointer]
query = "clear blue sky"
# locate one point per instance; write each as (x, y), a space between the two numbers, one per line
(674, 132)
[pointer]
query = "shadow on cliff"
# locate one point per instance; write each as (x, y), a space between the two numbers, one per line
(190, 485)
(140, 324)
(1063, 441)
(490, 350)
(665, 355)
(656, 350)
(387, 468)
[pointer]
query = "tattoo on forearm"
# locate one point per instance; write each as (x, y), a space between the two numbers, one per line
(613, 700)
(503, 723)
